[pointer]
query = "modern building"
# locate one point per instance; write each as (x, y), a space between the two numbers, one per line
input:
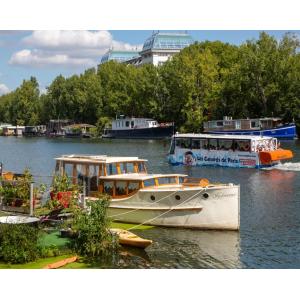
(157, 49)
(119, 56)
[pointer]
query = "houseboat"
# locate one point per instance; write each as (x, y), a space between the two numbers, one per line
(172, 200)
(38, 130)
(273, 127)
(55, 128)
(79, 131)
(226, 150)
(138, 128)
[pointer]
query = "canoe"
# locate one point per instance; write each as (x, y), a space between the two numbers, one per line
(130, 239)
(61, 263)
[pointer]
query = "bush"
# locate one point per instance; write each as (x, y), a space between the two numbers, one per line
(93, 237)
(19, 243)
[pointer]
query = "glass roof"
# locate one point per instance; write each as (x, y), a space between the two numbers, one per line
(119, 56)
(175, 41)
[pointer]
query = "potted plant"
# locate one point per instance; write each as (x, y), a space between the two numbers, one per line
(62, 191)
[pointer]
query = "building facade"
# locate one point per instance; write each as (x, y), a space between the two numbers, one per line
(157, 49)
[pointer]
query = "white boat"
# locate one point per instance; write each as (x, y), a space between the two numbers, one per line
(172, 200)
(238, 151)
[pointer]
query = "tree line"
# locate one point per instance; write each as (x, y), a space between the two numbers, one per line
(205, 81)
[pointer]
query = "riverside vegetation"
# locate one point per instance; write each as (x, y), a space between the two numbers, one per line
(91, 238)
(206, 80)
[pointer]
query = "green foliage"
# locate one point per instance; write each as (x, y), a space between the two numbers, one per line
(94, 239)
(204, 81)
(18, 243)
(61, 183)
(19, 188)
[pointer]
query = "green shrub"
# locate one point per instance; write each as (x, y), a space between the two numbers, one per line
(18, 243)
(93, 237)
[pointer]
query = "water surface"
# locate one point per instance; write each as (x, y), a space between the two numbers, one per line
(269, 236)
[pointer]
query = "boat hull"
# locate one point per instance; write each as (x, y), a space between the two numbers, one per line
(201, 208)
(282, 132)
(140, 133)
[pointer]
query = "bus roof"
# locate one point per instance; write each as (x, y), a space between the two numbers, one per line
(222, 136)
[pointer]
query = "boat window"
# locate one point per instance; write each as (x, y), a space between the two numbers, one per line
(219, 123)
(183, 143)
(127, 124)
(149, 182)
(132, 124)
(225, 144)
(133, 186)
(112, 169)
(108, 187)
(167, 180)
(213, 144)
(141, 167)
(121, 188)
(254, 124)
(127, 167)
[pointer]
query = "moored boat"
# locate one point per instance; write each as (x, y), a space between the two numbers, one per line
(172, 200)
(226, 151)
(128, 238)
(273, 127)
(138, 128)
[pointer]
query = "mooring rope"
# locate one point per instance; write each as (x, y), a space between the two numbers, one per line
(149, 220)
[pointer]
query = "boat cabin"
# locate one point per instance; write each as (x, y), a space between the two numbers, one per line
(228, 124)
(116, 176)
(133, 123)
(223, 143)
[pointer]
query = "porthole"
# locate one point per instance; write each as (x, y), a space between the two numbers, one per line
(205, 195)
(177, 197)
(152, 197)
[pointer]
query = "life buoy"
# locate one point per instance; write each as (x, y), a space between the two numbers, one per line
(247, 147)
(259, 148)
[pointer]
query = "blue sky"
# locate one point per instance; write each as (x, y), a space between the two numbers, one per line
(46, 54)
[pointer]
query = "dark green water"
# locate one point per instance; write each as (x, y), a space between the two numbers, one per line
(270, 204)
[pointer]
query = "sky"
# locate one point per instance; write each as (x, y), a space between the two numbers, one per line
(46, 54)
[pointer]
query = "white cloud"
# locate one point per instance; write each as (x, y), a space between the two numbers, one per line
(66, 39)
(37, 58)
(3, 89)
(66, 48)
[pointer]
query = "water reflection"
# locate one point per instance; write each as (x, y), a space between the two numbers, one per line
(178, 248)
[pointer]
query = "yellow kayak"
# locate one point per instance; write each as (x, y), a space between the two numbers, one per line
(130, 239)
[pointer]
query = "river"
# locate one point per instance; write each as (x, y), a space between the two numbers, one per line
(269, 236)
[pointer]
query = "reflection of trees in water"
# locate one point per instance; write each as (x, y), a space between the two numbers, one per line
(184, 248)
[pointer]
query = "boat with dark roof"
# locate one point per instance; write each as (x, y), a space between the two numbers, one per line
(138, 128)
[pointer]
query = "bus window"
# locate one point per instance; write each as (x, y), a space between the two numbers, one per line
(196, 144)
(243, 145)
(108, 187)
(121, 188)
(183, 143)
(213, 144)
(133, 186)
(203, 143)
(225, 144)
(167, 180)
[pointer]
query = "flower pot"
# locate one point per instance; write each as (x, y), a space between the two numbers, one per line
(64, 198)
